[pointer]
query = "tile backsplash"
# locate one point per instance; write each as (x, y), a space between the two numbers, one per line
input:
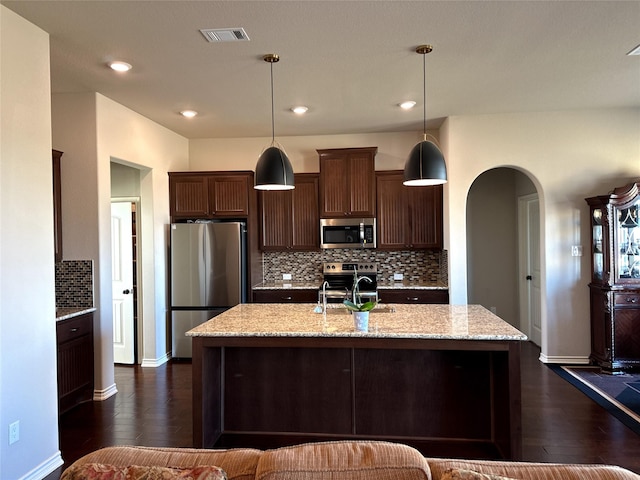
(74, 283)
(415, 265)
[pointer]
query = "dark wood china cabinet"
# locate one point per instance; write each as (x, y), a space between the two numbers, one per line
(615, 278)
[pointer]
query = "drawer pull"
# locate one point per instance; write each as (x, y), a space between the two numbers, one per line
(412, 299)
(632, 299)
(74, 330)
(287, 298)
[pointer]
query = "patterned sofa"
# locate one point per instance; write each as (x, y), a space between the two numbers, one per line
(342, 460)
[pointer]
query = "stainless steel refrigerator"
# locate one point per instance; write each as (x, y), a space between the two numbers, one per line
(208, 275)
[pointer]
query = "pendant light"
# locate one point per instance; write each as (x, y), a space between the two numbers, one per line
(273, 170)
(425, 165)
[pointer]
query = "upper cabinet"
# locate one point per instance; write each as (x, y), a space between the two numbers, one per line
(408, 217)
(209, 195)
(289, 218)
(347, 182)
(57, 206)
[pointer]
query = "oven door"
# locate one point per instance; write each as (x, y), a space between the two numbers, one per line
(347, 233)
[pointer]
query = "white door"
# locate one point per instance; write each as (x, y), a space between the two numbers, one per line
(122, 282)
(530, 297)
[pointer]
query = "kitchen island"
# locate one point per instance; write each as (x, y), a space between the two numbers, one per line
(442, 378)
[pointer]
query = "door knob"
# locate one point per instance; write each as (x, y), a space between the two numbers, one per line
(126, 292)
(529, 277)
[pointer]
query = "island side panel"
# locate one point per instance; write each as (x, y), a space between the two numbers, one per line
(207, 371)
(442, 394)
(296, 390)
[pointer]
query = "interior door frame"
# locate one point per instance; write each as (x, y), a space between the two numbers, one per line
(524, 266)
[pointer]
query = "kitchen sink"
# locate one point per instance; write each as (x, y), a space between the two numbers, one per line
(339, 309)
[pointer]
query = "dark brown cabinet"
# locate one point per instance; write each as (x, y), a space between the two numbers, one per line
(285, 296)
(75, 361)
(347, 182)
(289, 218)
(408, 217)
(615, 278)
(209, 195)
(57, 205)
(408, 295)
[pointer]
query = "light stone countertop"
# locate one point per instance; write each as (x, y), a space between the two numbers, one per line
(64, 313)
(454, 322)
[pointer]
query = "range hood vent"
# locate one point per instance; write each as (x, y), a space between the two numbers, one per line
(215, 35)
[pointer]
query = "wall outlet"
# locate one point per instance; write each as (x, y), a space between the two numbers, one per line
(14, 432)
(576, 250)
(398, 276)
(286, 276)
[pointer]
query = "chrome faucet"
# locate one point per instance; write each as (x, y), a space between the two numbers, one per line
(356, 281)
(324, 296)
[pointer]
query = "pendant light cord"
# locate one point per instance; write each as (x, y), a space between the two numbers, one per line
(424, 96)
(273, 128)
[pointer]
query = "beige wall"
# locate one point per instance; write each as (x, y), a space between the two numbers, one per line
(93, 131)
(28, 386)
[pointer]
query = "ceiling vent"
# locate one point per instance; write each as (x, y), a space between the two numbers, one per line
(215, 35)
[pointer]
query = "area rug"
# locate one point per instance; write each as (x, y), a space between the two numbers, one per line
(618, 394)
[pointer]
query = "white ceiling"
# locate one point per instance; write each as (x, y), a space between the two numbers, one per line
(350, 62)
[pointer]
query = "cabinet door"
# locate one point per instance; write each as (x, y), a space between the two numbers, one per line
(627, 334)
(305, 224)
(425, 216)
(347, 182)
(74, 338)
(188, 196)
(228, 195)
(275, 209)
(334, 186)
(393, 221)
(285, 296)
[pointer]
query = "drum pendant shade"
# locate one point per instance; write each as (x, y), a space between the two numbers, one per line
(274, 171)
(425, 166)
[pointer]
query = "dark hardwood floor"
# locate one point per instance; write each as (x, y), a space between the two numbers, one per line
(153, 408)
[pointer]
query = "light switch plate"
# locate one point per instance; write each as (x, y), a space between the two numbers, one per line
(576, 250)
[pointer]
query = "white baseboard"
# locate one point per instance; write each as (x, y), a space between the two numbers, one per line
(45, 468)
(100, 395)
(564, 360)
(155, 362)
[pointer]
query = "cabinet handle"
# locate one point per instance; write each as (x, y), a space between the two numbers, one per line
(412, 299)
(74, 330)
(286, 298)
(632, 299)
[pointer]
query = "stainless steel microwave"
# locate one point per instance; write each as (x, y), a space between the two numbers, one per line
(348, 233)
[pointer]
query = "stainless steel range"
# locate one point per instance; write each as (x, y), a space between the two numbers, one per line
(339, 278)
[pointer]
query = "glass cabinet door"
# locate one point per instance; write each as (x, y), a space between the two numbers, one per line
(597, 247)
(627, 244)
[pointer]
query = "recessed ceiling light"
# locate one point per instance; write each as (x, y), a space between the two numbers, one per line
(120, 66)
(300, 109)
(635, 51)
(188, 113)
(408, 105)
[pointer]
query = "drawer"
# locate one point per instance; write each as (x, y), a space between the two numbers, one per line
(413, 296)
(624, 299)
(74, 327)
(285, 296)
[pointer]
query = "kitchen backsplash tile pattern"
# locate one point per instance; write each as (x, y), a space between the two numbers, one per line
(415, 265)
(74, 283)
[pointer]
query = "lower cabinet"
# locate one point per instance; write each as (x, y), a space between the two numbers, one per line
(407, 295)
(75, 361)
(615, 328)
(285, 296)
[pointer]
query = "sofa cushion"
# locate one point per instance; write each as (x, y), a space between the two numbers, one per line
(462, 474)
(238, 463)
(348, 460)
(100, 471)
(532, 471)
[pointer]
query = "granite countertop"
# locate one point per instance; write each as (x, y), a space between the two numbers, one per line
(455, 322)
(64, 313)
(382, 285)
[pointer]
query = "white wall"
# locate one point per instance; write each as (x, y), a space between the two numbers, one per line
(569, 156)
(93, 131)
(28, 387)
